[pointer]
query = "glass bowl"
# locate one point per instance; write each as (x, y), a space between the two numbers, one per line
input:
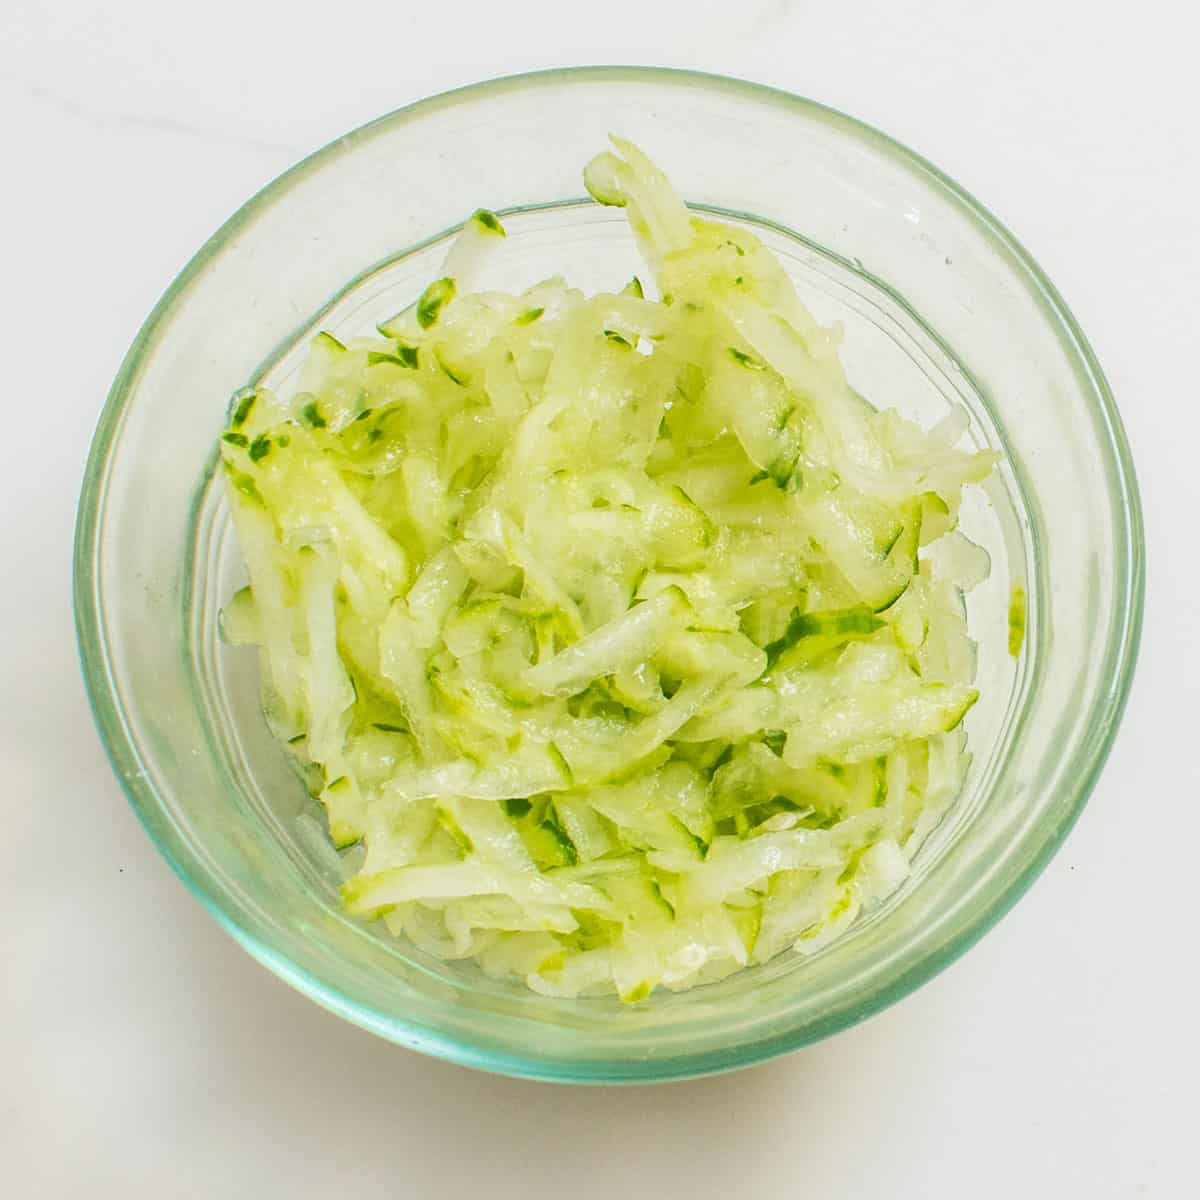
(941, 306)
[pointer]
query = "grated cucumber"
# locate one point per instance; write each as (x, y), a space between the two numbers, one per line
(623, 638)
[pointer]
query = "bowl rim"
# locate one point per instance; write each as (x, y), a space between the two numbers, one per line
(1112, 689)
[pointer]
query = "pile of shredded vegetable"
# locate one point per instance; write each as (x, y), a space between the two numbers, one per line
(620, 637)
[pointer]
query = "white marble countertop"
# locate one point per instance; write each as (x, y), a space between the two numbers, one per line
(145, 1054)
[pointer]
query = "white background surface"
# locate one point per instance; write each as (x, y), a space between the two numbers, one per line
(143, 1054)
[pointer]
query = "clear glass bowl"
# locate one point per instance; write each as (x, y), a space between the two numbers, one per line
(941, 306)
